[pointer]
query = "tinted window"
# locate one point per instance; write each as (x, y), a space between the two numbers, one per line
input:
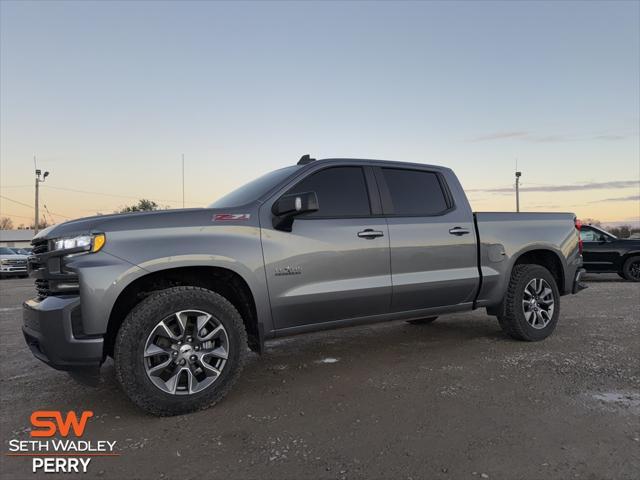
(254, 189)
(589, 236)
(342, 192)
(414, 192)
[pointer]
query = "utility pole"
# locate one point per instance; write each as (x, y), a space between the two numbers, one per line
(518, 175)
(38, 182)
(183, 180)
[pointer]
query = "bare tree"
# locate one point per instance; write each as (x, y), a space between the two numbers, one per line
(623, 231)
(6, 223)
(592, 221)
(41, 224)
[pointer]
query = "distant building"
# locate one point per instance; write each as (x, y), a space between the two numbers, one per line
(16, 238)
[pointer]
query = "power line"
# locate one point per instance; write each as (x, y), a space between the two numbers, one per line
(137, 197)
(14, 215)
(16, 201)
(32, 207)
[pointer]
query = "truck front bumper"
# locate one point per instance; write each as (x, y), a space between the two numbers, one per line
(48, 331)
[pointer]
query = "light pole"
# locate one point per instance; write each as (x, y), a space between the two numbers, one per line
(518, 175)
(38, 182)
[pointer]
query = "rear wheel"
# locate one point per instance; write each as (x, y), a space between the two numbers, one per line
(180, 350)
(531, 306)
(631, 269)
(422, 321)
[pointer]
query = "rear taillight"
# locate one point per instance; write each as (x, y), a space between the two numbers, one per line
(578, 224)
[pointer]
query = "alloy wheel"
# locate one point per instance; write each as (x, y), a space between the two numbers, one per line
(634, 270)
(186, 352)
(538, 303)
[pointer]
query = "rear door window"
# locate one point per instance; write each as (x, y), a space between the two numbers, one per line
(414, 192)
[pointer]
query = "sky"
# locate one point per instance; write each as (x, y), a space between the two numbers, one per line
(109, 95)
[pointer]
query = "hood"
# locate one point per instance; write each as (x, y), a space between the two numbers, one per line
(141, 220)
(629, 242)
(15, 256)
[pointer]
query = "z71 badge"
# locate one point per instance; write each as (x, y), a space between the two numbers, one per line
(226, 217)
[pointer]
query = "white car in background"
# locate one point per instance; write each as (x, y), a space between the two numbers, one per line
(12, 264)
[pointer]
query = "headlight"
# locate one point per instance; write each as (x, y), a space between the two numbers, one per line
(4, 262)
(88, 243)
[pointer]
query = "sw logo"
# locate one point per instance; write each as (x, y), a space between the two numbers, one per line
(45, 426)
(61, 454)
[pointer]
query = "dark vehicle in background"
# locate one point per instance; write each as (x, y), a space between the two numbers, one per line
(605, 253)
(12, 263)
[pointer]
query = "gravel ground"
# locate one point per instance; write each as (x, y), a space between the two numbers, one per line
(454, 399)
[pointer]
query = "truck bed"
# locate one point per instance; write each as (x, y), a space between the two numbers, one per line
(505, 236)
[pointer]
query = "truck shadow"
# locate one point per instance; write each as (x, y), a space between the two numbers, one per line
(304, 361)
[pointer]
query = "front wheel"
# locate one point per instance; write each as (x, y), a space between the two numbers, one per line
(631, 269)
(180, 350)
(531, 306)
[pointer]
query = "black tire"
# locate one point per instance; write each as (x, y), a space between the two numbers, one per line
(422, 321)
(631, 269)
(512, 316)
(136, 328)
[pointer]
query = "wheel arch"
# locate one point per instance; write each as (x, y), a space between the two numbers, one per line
(546, 258)
(627, 256)
(223, 281)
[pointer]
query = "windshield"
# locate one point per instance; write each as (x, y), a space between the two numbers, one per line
(6, 251)
(253, 190)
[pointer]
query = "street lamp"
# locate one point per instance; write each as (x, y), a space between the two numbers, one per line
(38, 182)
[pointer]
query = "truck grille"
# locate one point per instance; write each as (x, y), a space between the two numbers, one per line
(40, 246)
(48, 270)
(15, 263)
(42, 287)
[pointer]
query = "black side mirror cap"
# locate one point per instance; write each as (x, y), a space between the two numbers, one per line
(287, 207)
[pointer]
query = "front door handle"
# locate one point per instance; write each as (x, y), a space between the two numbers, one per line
(370, 234)
(458, 231)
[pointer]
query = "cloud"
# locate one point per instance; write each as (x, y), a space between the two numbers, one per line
(609, 137)
(499, 136)
(549, 138)
(630, 198)
(565, 188)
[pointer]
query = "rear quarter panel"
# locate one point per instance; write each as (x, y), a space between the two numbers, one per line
(504, 237)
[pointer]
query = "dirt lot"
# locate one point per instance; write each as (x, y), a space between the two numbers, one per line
(455, 399)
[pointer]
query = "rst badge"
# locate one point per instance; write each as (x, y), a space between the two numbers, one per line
(288, 270)
(229, 217)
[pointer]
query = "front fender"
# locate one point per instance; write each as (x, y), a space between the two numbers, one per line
(134, 254)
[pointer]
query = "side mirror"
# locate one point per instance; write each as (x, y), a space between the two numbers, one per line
(287, 207)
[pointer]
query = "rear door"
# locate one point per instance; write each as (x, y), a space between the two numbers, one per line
(334, 264)
(433, 245)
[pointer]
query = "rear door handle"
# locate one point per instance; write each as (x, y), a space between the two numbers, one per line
(458, 231)
(370, 234)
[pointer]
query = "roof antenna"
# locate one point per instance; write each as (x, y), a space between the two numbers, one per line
(305, 159)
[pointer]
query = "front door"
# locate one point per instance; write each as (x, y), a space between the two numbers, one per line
(334, 264)
(599, 253)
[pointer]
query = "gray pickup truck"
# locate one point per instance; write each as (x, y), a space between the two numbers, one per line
(178, 297)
